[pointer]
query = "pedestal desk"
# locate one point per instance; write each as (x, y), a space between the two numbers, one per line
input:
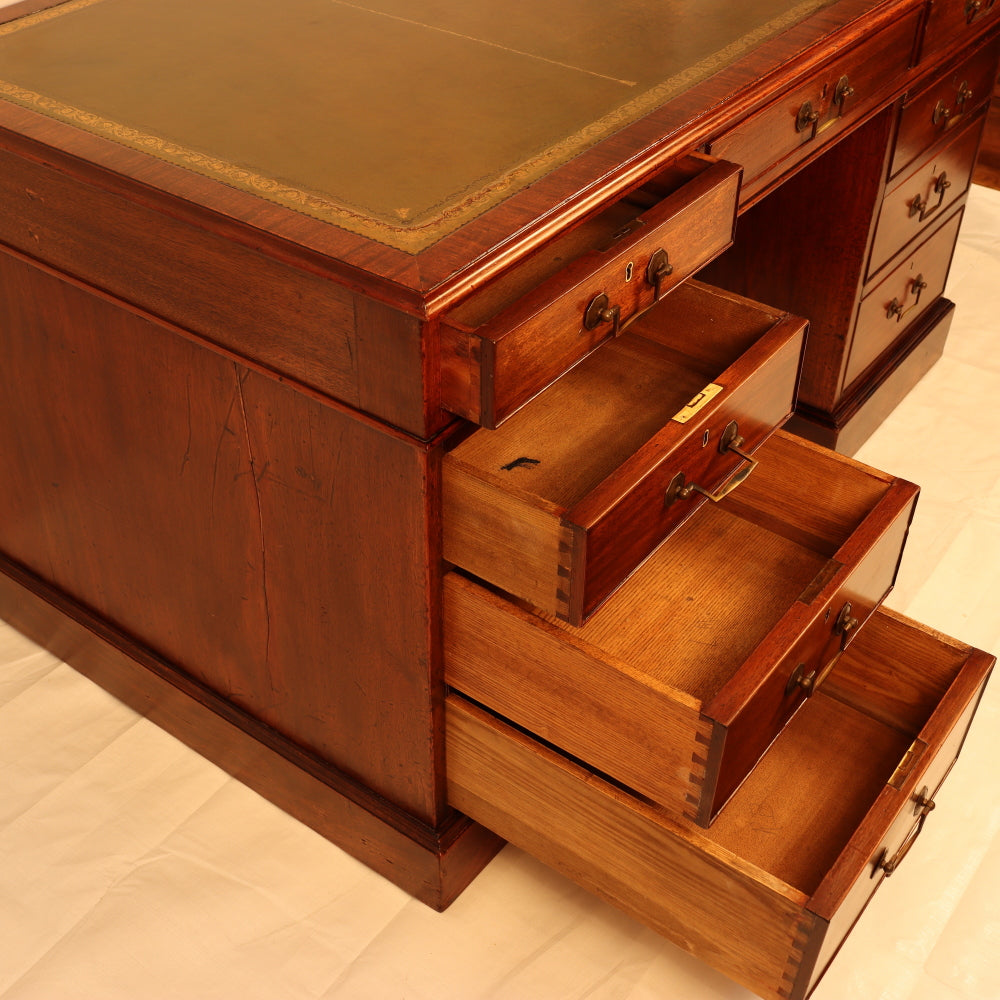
(385, 387)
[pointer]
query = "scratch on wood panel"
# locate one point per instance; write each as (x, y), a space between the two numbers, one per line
(240, 376)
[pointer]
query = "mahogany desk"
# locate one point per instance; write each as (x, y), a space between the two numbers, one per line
(269, 291)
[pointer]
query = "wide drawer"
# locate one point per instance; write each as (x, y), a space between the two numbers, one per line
(561, 503)
(768, 894)
(517, 334)
(891, 306)
(925, 193)
(679, 683)
(947, 103)
(773, 140)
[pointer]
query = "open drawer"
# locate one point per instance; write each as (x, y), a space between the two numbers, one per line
(769, 893)
(679, 683)
(559, 505)
(517, 334)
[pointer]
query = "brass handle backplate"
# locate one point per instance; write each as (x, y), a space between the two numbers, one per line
(730, 441)
(600, 311)
(659, 267)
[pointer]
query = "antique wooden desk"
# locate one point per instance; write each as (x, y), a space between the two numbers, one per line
(365, 356)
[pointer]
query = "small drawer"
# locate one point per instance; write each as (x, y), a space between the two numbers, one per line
(950, 101)
(896, 301)
(925, 194)
(516, 335)
(951, 20)
(771, 891)
(560, 504)
(771, 141)
(684, 677)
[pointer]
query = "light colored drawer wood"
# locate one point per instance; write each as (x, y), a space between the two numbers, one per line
(768, 894)
(893, 303)
(921, 196)
(519, 333)
(775, 139)
(679, 683)
(560, 504)
(951, 99)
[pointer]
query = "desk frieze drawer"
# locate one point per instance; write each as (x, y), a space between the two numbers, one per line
(957, 20)
(773, 140)
(768, 894)
(517, 334)
(679, 683)
(560, 504)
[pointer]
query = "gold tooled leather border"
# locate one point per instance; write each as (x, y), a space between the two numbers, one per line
(450, 215)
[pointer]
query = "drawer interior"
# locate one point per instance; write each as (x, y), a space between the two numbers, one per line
(693, 613)
(583, 427)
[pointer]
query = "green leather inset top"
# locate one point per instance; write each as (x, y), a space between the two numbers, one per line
(396, 119)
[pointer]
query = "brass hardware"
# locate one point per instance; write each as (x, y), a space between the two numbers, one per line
(896, 308)
(845, 624)
(600, 311)
(964, 95)
(923, 208)
(843, 91)
(806, 118)
(629, 268)
(942, 114)
(809, 683)
(659, 267)
(923, 806)
(697, 403)
(730, 441)
(972, 8)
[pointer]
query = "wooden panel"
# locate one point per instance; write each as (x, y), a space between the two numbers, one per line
(955, 22)
(434, 865)
(731, 915)
(879, 324)
(257, 538)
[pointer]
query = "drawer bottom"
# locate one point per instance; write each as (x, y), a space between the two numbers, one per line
(766, 895)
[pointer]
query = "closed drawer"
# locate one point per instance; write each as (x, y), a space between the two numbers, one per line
(947, 103)
(771, 141)
(768, 894)
(679, 683)
(509, 340)
(957, 20)
(896, 301)
(562, 502)
(926, 193)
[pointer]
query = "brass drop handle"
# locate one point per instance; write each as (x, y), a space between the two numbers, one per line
(897, 309)
(807, 118)
(924, 807)
(730, 441)
(922, 207)
(842, 92)
(844, 626)
(972, 8)
(600, 310)
(658, 268)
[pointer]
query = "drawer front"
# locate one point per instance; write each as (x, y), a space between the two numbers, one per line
(492, 369)
(773, 140)
(560, 505)
(744, 897)
(950, 101)
(957, 20)
(925, 194)
(699, 640)
(892, 306)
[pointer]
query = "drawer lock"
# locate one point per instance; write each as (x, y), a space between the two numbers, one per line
(600, 310)
(730, 441)
(923, 805)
